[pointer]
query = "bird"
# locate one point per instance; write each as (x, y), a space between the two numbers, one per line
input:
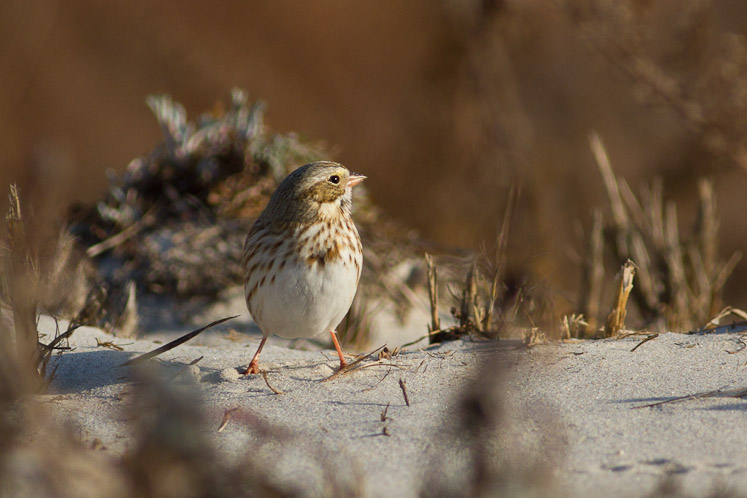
(302, 258)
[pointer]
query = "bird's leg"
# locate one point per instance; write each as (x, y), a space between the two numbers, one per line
(253, 367)
(343, 363)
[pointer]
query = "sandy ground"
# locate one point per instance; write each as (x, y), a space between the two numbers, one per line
(570, 415)
(594, 392)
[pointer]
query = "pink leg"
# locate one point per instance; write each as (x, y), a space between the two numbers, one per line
(253, 367)
(343, 363)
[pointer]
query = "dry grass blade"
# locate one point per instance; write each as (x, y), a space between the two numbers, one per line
(533, 336)
(24, 358)
(740, 392)
(108, 345)
(264, 376)
(619, 214)
(714, 323)
(66, 277)
(640, 233)
(593, 277)
(722, 274)
(479, 312)
(388, 354)
(679, 281)
(707, 226)
(174, 343)
(21, 281)
(128, 322)
(677, 275)
(499, 259)
(469, 299)
(673, 400)
(432, 292)
(28, 287)
(616, 318)
(45, 354)
(482, 300)
(226, 418)
(354, 365)
(574, 325)
(426, 336)
(404, 391)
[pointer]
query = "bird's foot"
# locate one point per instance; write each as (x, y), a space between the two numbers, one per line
(253, 368)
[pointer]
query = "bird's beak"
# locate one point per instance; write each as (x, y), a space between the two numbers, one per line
(354, 179)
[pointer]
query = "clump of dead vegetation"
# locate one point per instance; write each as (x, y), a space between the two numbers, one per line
(679, 278)
(486, 301)
(29, 285)
(680, 59)
(175, 221)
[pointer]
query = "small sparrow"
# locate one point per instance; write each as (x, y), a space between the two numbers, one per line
(303, 256)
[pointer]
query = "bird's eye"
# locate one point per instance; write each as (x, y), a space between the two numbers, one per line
(334, 179)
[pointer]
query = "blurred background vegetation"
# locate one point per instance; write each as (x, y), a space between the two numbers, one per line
(442, 104)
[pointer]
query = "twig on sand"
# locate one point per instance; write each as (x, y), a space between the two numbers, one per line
(379, 382)
(740, 392)
(404, 391)
(648, 338)
(383, 413)
(352, 366)
(264, 376)
(226, 418)
(108, 344)
(174, 343)
(740, 346)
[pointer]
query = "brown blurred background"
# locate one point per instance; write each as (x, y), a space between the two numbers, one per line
(443, 104)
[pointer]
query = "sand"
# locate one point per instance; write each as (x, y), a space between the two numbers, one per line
(568, 412)
(614, 448)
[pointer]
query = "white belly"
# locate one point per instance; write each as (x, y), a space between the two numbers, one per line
(304, 302)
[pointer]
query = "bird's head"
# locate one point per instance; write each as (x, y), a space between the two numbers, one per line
(321, 188)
